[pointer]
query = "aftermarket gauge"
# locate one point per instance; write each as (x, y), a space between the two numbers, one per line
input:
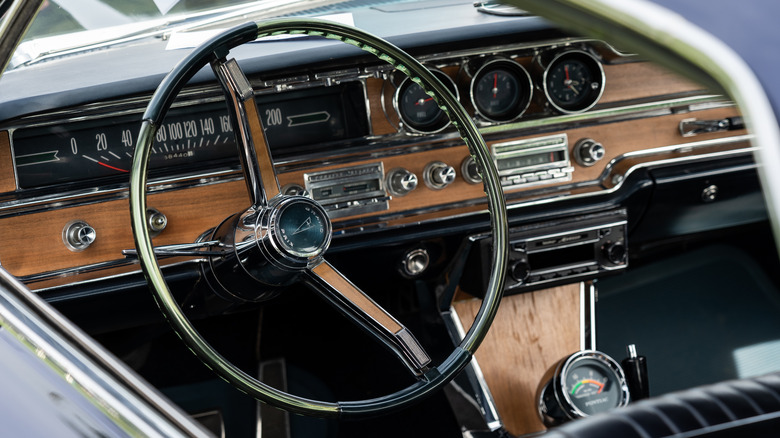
(586, 383)
(418, 110)
(573, 82)
(501, 90)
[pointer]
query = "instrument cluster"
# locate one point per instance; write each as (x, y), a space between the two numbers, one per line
(501, 89)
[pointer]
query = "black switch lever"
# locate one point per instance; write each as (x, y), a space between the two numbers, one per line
(635, 368)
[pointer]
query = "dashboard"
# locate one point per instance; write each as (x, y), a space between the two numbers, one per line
(581, 133)
(362, 142)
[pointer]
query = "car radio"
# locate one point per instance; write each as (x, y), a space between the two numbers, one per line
(550, 253)
(350, 190)
(532, 161)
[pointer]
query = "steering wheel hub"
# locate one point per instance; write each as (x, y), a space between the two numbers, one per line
(300, 228)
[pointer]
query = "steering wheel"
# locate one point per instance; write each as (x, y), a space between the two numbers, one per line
(281, 239)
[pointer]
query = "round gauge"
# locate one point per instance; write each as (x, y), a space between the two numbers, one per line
(583, 384)
(501, 90)
(418, 110)
(573, 82)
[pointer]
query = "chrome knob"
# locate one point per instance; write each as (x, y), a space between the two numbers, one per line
(438, 175)
(415, 262)
(588, 151)
(401, 181)
(156, 221)
(295, 190)
(469, 169)
(78, 235)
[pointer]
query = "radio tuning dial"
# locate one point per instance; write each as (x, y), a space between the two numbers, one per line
(588, 151)
(520, 271)
(438, 175)
(401, 181)
(615, 252)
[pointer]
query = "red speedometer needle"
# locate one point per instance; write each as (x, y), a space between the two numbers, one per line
(112, 167)
(422, 101)
(566, 70)
(495, 84)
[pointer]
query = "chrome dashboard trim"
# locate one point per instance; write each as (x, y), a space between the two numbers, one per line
(529, 127)
(540, 197)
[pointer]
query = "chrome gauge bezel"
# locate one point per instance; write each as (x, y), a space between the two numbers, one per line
(566, 367)
(594, 95)
(441, 122)
(524, 82)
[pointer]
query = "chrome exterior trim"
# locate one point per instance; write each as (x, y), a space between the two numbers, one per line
(131, 403)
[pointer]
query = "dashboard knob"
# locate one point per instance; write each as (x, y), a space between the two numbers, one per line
(469, 169)
(295, 190)
(615, 252)
(156, 221)
(415, 262)
(401, 181)
(438, 175)
(78, 235)
(520, 271)
(588, 151)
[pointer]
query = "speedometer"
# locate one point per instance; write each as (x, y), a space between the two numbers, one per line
(96, 149)
(190, 138)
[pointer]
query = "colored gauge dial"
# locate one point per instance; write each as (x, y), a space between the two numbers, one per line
(501, 90)
(574, 82)
(418, 110)
(586, 383)
(593, 386)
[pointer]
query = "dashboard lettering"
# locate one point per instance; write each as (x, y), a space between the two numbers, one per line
(224, 122)
(127, 138)
(190, 129)
(102, 141)
(207, 126)
(273, 117)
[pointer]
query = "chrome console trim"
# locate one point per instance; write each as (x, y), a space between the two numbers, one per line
(485, 397)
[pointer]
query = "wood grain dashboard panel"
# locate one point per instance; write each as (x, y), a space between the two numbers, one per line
(530, 333)
(192, 211)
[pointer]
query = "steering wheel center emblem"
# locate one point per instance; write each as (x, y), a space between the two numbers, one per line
(303, 228)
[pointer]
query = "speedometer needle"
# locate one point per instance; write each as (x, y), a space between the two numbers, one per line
(422, 101)
(495, 85)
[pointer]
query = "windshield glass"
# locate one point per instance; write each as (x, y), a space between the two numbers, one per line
(57, 17)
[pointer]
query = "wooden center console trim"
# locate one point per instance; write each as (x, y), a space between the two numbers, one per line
(530, 333)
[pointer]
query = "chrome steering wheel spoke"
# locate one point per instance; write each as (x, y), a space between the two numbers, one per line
(255, 154)
(359, 307)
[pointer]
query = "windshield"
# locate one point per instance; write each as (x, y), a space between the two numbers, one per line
(72, 26)
(57, 17)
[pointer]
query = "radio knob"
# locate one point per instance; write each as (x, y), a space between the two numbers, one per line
(588, 151)
(401, 181)
(615, 252)
(520, 271)
(438, 175)
(469, 169)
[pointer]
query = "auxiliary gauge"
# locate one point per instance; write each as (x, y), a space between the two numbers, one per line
(586, 383)
(573, 81)
(417, 109)
(501, 90)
